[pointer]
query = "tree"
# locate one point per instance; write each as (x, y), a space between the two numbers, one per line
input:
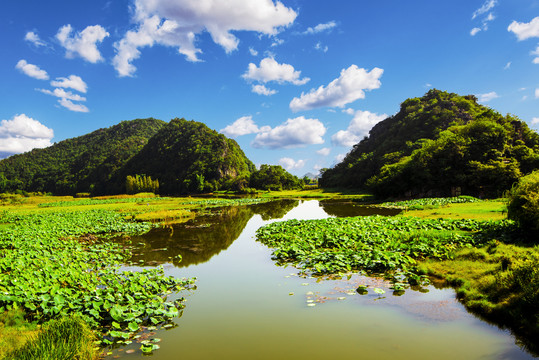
(523, 206)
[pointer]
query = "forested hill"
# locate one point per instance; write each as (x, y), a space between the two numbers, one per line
(437, 145)
(188, 157)
(88, 163)
(183, 156)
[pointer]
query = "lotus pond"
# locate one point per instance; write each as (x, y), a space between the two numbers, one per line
(245, 306)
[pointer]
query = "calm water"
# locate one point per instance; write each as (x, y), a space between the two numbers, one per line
(246, 307)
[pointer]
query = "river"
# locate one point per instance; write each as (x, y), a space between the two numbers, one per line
(246, 307)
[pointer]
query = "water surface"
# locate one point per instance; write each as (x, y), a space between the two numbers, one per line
(246, 307)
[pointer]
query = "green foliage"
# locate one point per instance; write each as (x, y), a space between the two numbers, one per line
(436, 144)
(418, 204)
(66, 338)
(188, 157)
(371, 243)
(141, 183)
(87, 163)
(51, 267)
(274, 178)
(523, 204)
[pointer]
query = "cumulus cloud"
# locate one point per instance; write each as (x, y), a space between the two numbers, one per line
(348, 87)
(243, 126)
(535, 120)
(177, 23)
(488, 96)
(71, 82)
(68, 104)
(253, 51)
(22, 133)
(291, 164)
(537, 93)
(33, 38)
(32, 70)
(339, 158)
(66, 98)
(359, 127)
(525, 31)
(61, 93)
(262, 90)
(293, 133)
(320, 28)
(324, 151)
(83, 43)
(271, 70)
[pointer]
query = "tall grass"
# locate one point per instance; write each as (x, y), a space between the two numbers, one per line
(66, 338)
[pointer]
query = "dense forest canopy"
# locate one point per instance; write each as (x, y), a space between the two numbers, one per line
(172, 158)
(88, 163)
(439, 144)
(188, 157)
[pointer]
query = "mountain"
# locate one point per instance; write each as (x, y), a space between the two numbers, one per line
(184, 156)
(187, 156)
(440, 144)
(87, 163)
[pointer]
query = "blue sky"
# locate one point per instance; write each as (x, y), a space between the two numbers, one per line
(295, 82)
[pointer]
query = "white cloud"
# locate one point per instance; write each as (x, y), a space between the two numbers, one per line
(536, 52)
(22, 134)
(507, 66)
(486, 7)
(488, 96)
(339, 158)
(83, 43)
(277, 42)
(271, 70)
(61, 93)
(242, 126)
(320, 28)
(72, 82)
(290, 164)
(32, 70)
(359, 127)
(324, 151)
(262, 90)
(535, 120)
(293, 133)
(474, 31)
(34, 39)
(525, 31)
(320, 47)
(68, 104)
(177, 23)
(348, 87)
(537, 93)
(253, 51)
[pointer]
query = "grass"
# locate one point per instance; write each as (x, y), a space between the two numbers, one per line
(484, 210)
(15, 331)
(67, 338)
(316, 193)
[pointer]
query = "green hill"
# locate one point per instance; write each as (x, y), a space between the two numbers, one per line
(87, 163)
(184, 156)
(187, 156)
(437, 145)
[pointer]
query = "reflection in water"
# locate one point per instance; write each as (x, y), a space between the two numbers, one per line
(340, 208)
(198, 240)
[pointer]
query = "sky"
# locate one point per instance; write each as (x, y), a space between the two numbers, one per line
(295, 82)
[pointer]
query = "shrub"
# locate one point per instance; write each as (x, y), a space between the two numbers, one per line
(523, 206)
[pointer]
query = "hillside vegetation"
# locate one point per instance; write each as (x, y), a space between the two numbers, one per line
(440, 144)
(181, 156)
(88, 163)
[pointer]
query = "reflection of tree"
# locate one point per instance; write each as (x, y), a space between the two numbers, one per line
(197, 241)
(346, 208)
(274, 209)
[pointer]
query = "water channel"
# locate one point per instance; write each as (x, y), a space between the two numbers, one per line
(246, 307)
